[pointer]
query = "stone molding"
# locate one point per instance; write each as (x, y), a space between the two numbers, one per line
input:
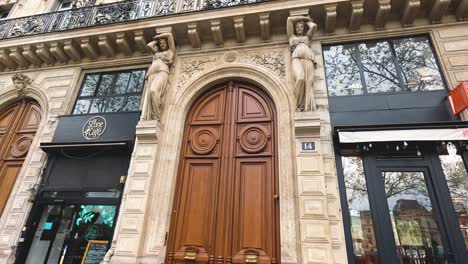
(194, 66)
(115, 41)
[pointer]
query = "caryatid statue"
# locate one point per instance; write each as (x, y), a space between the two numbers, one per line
(163, 49)
(300, 30)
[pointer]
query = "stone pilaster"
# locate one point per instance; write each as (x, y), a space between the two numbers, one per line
(129, 233)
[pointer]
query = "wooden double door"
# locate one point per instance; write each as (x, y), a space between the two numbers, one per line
(18, 125)
(226, 205)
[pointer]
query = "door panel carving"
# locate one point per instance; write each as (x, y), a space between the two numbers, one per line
(225, 205)
(18, 125)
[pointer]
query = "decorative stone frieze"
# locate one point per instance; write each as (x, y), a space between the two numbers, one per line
(192, 66)
(271, 59)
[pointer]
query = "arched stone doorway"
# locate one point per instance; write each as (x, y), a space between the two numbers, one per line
(226, 204)
(18, 125)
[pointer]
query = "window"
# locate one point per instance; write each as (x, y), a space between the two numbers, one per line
(384, 66)
(64, 5)
(4, 13)
(110, 92)
(359, 210)
(457, 181)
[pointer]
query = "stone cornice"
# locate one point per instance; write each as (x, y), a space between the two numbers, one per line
(216, 28)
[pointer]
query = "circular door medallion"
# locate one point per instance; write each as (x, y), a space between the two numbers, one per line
(203, 140)
(21, 146)
(253, 139)
(94, 127)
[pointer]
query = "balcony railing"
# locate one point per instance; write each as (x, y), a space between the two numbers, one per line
(107, 14)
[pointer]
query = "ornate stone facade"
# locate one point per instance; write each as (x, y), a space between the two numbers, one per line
(217, 44)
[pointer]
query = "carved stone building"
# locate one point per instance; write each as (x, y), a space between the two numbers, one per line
(232, 131)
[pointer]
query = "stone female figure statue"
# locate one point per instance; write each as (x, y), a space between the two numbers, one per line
(163, 49)
(303, 60)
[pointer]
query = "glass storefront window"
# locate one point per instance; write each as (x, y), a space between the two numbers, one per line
(415, 229)
(457, 181)
(362, 227)
(64, 232)
(110, 92)
(382, 66)
(343, 77)
(419, 68)
(379, 68)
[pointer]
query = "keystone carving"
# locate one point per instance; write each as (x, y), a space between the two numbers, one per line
(21, 82)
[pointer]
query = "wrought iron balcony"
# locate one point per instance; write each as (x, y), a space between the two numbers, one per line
(88, 16)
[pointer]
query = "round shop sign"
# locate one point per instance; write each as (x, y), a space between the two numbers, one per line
(94, 127)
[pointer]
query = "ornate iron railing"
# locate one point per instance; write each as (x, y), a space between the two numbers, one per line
(89, 16)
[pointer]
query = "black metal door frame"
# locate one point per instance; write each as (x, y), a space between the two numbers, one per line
(439, 195)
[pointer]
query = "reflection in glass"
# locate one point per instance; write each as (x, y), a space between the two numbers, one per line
(136, 82)
(132, 103)
(418, 65)
(414, 226)
(378, 66)
(89, 85)
(395, 65)
(116, 92)
(105, 86)
(362, 227)
(122, 83)
(97, 106)
(114, 104)
(82, 106)
(457, 181)
(342, 71)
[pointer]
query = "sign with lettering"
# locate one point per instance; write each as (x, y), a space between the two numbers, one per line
(95, 252)
(94, 127)
(307, 146)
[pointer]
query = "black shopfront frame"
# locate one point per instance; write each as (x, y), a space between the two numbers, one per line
(374, 164)
(41, 204)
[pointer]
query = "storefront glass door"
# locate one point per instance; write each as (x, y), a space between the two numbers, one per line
(413, 216)
(412, 210)
(64, 233)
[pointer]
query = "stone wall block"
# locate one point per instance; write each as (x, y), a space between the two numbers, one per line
(311, 185)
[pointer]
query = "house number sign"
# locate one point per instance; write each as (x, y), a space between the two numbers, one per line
(307, 146)
(94, 127)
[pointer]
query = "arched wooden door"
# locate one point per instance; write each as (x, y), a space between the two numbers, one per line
(18, 125)
(226, 206)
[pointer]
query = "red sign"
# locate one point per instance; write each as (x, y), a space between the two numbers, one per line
(458, 98)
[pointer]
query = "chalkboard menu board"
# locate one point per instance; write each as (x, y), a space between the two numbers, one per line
(95, 252)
